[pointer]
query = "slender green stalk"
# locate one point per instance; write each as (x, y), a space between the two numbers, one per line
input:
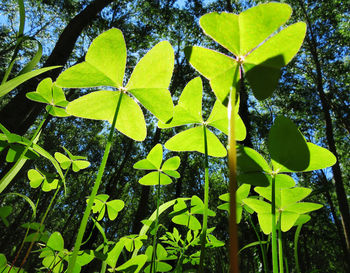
(155, 238)
(296, 240)
(274, 235)
(206, 201)
(95, 188)
(262, 247)
(21, 160)
(232, 164)
(286, 264)
(280, 245)
(104, 263)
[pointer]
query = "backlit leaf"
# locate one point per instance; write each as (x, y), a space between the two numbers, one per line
(113, 208)
(63, 160)
(155, 156)
(171, 164)
(134, 264)
(150, 80)
(241, 33)
(13, 83)
(152, 179)
(193, 140)
(189, 108)
(55, 241)
(262, 67)
(221, 70)
(35, 178)
(130, 120)
(104, 63)
(80, 164)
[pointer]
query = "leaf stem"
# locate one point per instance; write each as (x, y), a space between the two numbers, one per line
(262, 247)
(206, 201)
(155, 238)
(95, 188)
(296, 240)
(274, 235)
(232, 164)
(280, 244)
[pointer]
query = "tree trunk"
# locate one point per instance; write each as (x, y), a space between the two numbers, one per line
(325, 182)
(20, 113)
(337, 174)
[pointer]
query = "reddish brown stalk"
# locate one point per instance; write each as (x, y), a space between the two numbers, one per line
(232, 164)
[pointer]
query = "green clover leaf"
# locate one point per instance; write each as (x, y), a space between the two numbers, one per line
(189, 111)
(249, 37)
(161, 173)
(241, 193)
(288, 206)
(104, 66)
(38, 177)
(100, 206)
(78, 162)
(52, 95)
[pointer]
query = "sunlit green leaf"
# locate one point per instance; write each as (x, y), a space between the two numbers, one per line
(104, 63)
(193, 140)
(43, 92)
(130, 119)
(80, 165)
(288, 219)
(303, 207)
(150, 80)
(35, 178)
(55, 241)
(135, 264)
(144, 164)
(189, 108)
(171, 164)
(113, 208)
(152, 179)
(155, 156)
(291, 196)
(241, 33)
(64, 161)
(248, 160)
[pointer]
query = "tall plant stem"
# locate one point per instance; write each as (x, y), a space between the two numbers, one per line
(155, 238)
(296, 239)
(206, 201)
(95, 188)
(280, 245)
(274, 235)
(21, 160)
(232, 164)
(262, 247)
